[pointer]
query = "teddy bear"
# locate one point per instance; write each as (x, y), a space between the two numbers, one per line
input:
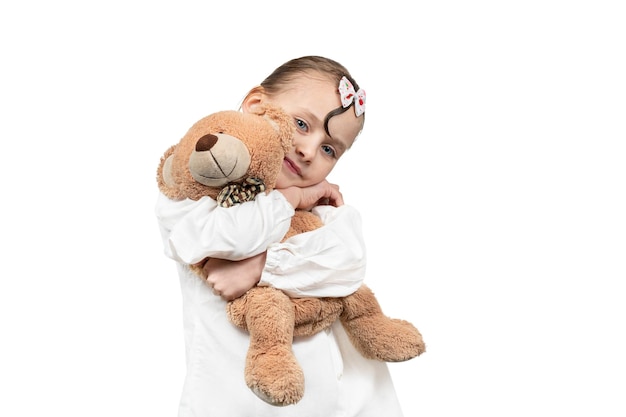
(232, 156)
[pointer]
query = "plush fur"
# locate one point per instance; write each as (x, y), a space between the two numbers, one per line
(254, 145)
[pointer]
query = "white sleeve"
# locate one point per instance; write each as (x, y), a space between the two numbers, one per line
(327, 262)
(193, 230)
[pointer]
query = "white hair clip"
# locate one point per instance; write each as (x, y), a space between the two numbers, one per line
(348, 95)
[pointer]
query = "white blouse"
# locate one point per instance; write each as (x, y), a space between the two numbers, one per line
(329, 261)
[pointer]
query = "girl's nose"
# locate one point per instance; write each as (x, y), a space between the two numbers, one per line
(306, 148)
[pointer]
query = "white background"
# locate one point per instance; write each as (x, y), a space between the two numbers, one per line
(490, 177)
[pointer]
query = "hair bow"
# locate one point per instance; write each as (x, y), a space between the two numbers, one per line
(348, 95)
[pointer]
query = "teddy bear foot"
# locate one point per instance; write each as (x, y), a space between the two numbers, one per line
(393, 340)
(275, 377)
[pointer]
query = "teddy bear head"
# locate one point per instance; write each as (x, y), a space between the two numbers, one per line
(225, 148)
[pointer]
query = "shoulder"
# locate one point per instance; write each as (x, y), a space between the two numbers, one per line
(164, 201)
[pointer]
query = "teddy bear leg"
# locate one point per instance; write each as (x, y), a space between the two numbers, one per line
(272, 371)
(375, 335)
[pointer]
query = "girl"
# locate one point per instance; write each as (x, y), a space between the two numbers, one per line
(328, 109)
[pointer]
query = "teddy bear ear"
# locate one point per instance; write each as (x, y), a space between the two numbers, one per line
(165, 179)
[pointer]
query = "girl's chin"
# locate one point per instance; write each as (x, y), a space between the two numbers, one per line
(281, 182)
(285, 179)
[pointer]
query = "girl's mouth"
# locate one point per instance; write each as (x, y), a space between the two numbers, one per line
(291, 166)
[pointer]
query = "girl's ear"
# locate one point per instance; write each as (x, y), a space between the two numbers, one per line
(254, 101)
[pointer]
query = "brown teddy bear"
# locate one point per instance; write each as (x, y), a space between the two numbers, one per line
(249, 149)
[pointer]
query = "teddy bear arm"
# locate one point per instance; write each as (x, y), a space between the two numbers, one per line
(375, 335)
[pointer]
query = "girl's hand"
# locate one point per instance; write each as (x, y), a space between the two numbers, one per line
(323, 193)
(231, 279)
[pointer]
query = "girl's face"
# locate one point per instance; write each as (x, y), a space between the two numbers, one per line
(308, 100)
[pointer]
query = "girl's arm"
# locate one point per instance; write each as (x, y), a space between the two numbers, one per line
(193, 230)
(327, 262)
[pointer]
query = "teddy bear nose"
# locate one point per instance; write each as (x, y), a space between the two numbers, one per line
(206, 142)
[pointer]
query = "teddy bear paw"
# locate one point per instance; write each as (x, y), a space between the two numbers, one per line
(275, 376)
(394, 341)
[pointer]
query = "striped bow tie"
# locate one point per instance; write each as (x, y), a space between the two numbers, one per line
(238, 193)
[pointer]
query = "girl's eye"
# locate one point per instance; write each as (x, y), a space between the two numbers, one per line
(301, 125)
(328, 150)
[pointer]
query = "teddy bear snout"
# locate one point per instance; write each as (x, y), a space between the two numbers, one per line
(206, 142)
(217, 159)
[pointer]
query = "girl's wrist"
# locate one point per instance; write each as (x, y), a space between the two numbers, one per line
(292, 195)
